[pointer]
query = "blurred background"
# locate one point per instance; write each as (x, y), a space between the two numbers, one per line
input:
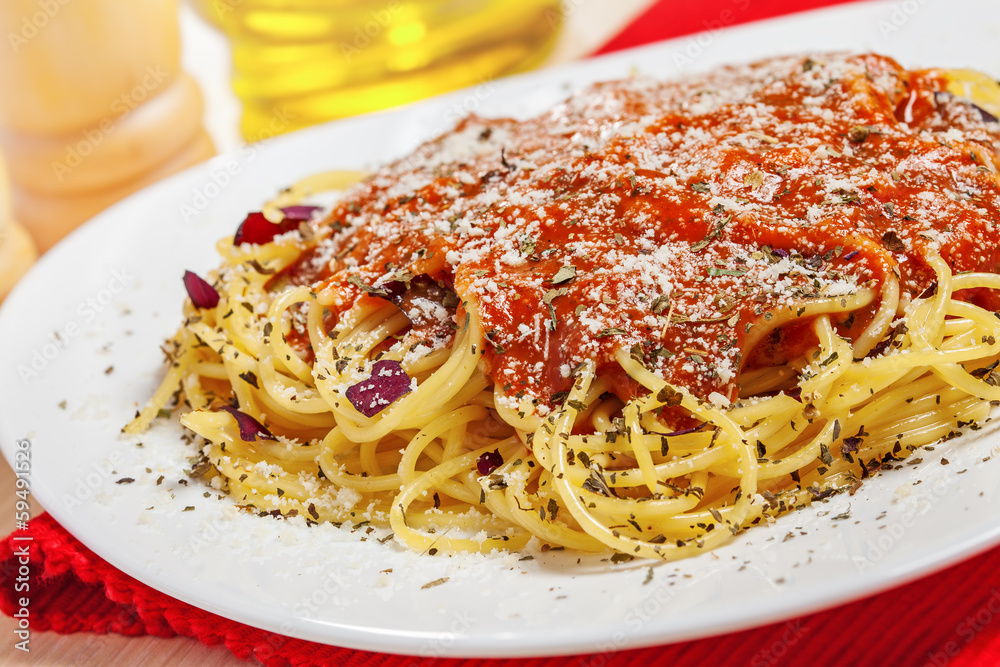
(113, 96)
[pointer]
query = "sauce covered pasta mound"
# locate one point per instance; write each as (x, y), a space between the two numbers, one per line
(645, 320)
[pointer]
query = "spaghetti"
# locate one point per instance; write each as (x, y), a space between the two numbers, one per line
(647, 320)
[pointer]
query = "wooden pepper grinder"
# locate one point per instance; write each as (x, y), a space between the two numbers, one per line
(17, 252)
(97, 106)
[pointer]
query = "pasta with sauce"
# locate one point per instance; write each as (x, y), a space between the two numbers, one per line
(646, 320)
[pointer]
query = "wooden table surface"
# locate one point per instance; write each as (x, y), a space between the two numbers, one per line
(589, 23)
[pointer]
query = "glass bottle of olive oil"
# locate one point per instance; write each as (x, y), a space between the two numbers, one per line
(305, 61)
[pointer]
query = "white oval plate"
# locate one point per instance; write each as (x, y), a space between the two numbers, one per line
(80, 354)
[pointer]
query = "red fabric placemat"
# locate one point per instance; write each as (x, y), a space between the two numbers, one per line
(949, 618)
(673, 18)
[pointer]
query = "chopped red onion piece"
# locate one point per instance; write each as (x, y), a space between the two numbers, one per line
(984, 114)
(683, 431)
(300, 213)
(942, 98)
(796, 393)
(851, 255)
(202, 294)
(781, 253)
(851, 445)
(488, 462)
(250, 428)
(257, 229)
(387, 383)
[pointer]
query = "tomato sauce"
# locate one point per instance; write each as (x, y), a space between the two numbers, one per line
(674, 219)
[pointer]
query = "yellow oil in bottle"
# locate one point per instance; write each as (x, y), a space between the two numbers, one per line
(300, 62)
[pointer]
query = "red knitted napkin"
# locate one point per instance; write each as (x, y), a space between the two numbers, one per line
(949, 618)
(673, 18)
